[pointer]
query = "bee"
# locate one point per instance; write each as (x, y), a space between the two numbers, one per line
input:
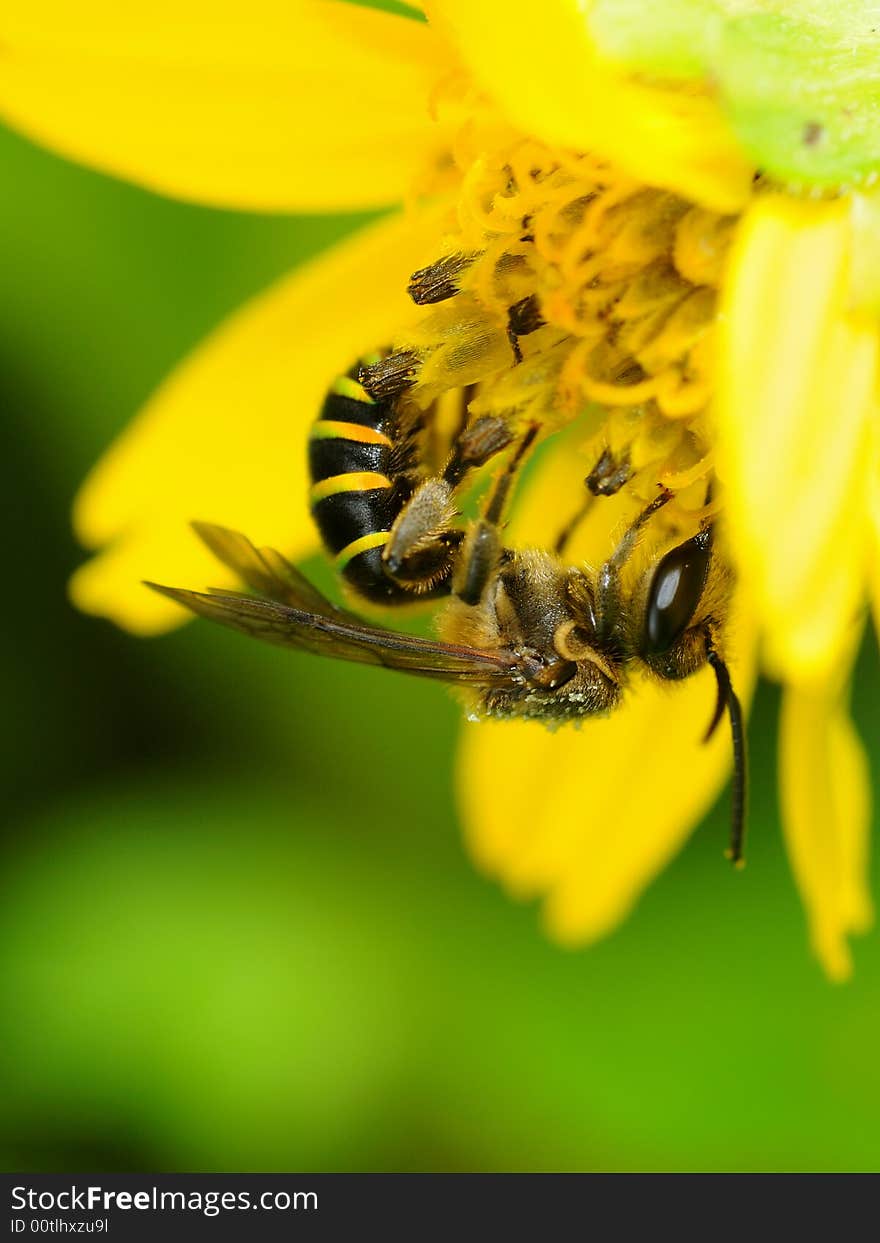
(387, 523)
(523, 634)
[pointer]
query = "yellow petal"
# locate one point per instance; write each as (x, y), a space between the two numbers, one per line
(865, 290)
(223, 439)
(874, 521)
(825, 796)
(543, 69)
(586, 817)
(562, 816)
(275, 105)
(796, 398)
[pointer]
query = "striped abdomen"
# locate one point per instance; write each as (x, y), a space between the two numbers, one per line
(359, 462)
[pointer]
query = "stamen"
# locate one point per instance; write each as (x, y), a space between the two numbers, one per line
(389, 376)
(566, 287)
(439, 280)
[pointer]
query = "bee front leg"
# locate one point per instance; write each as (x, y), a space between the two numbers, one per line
(605, 479)
(609, 602)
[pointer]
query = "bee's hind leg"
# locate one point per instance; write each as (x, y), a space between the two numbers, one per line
(423, 537)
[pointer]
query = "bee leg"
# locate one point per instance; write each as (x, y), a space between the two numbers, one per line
(466, 396)
(475, 446)
(444, 422)
(482, 546)
(605, 479)
(418, 532)
(422, 537)
(609, 602)
(564, 537)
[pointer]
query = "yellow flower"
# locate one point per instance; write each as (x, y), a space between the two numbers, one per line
(708, 321)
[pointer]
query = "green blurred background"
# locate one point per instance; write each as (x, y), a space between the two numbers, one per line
(238, 930)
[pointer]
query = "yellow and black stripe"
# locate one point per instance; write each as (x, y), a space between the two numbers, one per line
(361, 464)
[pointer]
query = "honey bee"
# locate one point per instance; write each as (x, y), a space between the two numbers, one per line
(523, 634)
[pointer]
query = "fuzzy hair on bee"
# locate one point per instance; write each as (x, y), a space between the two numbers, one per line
(526, 635)
(522, 633)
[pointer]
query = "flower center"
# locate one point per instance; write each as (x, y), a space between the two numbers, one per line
(565, 288)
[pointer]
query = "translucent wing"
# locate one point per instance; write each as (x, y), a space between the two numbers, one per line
(298, 616)
(265, 571)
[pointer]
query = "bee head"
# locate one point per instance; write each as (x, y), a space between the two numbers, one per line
(541, 612)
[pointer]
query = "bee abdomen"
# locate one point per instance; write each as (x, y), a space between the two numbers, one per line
(358, 488)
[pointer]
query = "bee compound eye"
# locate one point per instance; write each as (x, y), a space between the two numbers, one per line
(674, 594)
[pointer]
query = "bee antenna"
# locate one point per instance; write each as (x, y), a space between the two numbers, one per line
(728, 699)
(721, 700)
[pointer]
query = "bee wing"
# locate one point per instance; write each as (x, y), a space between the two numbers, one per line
(266, 571)
(327, 634)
